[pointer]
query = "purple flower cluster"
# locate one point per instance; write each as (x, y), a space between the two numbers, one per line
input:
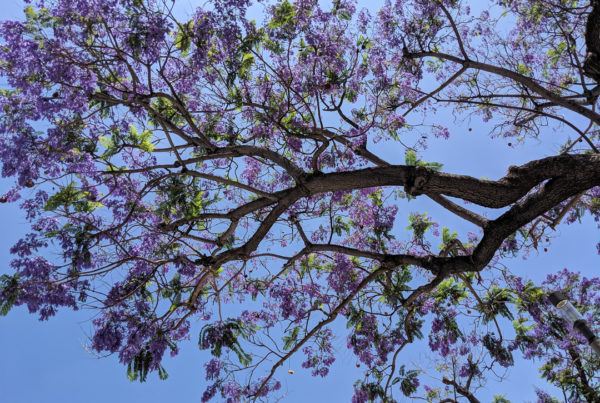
(320, 358)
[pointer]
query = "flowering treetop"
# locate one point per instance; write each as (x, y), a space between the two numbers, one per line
(184, 166)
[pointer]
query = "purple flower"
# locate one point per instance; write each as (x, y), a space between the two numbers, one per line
(213, 369)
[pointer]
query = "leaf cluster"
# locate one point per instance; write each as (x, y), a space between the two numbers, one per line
(225, 334)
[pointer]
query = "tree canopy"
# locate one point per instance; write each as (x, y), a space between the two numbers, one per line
(221, 178)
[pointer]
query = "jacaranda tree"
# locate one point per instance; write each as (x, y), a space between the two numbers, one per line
(218, 178)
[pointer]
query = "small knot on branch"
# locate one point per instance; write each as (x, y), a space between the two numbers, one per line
(417, 179)
(301, 182)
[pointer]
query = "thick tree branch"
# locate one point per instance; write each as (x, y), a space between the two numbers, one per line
(591, 64)
(569, 175)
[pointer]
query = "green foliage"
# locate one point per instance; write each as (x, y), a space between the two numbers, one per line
(497, 350)
(309, 264)
(340, 11)
(38, 18)
(82, 246)
(500, 399)
(339, 225)
(406, 379)
(290, 339)
(557, 53)
(354, 318)
(139, 367)
(415, 329)
(374, 385)
(522, 331)
(283, 15)
(182, 199)
(570, 379)
(167, 110)
(451, 326)
(494, 303)
(30, 13)
(364, 43)
(247, 63)
(73, 137)
(374, 390)
(69, 196)
(9, 290)
(377, 197)
(174, 291)
(450, 290)
(396, 283)
(118, 141)
(523, 69)
(183, 37)
(411, 158)
(225, 334)
(141, 140)
(531, 295)
(433, 395)
(419, 224)
(447, 236)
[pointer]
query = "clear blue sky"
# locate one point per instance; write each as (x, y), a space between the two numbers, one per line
(47, 361)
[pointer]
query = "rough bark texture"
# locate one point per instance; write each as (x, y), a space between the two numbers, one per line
(591, 65)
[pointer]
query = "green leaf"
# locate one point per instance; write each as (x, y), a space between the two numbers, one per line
(496, 349)
(450, 289)
(411, 159)
(105, 142)
(419, 224)
(145, 143)
(139, 367)
(283, 15)
(183, 37)
(162, 373)
(494, 303)
(30, 13)
(227, 335)
(132, 375)
(65, 197)
(524, 70)
(290, 339)
(407, 385)
(447, 236)
(9, 288)
(435, 166)
(70, 196)
(364, 43)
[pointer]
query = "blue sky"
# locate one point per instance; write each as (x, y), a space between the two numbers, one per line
(48, 361)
